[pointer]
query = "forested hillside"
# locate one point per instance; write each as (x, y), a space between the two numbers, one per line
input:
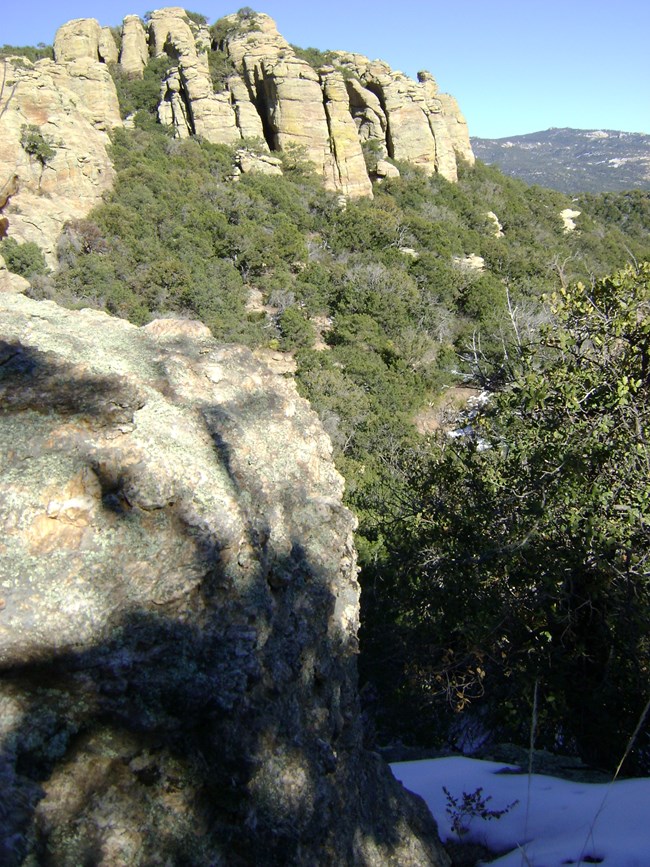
(502, 563)
(572, 160)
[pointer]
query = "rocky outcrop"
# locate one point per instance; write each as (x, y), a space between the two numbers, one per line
(205, 112)
(298, 106)
(54, 123)
(473, 262)
(457, 126)
(265, 164)
(134, 53)
(179, 611)
(77, 40)
(246, 114)
(349, 167)
(84, 39)
(284, 88)
(409, 120)
(272, 95)
(384, 169)
(496, 223)
(569, 217)
(107, 47)
(369, 116)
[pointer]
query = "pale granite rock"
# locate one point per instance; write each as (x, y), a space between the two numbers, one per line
(295, 107)
(348, 166)
(412, 120)
(179, 611)
(77, 40)
(568, 217)
(262, 163)
(457, 126)
(384, 169)
(205, 112)
(498, 228)
(134, 53)
(10, 282)
(72, 105)
(107, 47)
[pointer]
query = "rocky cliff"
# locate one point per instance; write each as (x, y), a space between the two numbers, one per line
(55, 118)
(270, 94)
(179, 610)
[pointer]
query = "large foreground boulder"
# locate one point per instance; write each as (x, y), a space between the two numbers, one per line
(179, 611)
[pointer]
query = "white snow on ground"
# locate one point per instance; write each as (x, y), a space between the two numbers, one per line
(555, 823)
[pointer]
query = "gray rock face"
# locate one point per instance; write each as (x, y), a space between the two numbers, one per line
(178, 611)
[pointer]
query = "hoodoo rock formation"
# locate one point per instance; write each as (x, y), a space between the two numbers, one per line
(179, 610)
(271, 95)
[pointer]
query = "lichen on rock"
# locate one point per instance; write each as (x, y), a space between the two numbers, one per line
(179, 610)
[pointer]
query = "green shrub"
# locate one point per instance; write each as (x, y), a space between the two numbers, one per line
(40, 52)
(296, 331)
(141, 94)
(25, 259)
(37, 145)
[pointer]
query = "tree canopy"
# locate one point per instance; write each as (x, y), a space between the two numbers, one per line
(524, 543)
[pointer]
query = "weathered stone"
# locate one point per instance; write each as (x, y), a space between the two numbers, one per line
(289, 98)
(446, 163)
(262, 163)
(457, 126)
(10, 282)
(348, 166)
(368, 115)
(248, 120)
(384, 169)
(417, 124)
(407, 135)
(172, 108)
(77, 40)
(568, 217)
(169, 32)
(72, 105)
(180, 606)
(473, 262)
(498, 228)
(189, 92)
(93, 86)
(107, 48)
(134, 53)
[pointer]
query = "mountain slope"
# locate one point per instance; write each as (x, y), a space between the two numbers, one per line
(572, 160)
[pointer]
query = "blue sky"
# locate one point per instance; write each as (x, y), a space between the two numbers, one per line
(515, 66)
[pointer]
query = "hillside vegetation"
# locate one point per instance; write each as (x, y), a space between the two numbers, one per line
(508, 560)
(572, 160)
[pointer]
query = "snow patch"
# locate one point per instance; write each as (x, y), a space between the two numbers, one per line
(555, 822)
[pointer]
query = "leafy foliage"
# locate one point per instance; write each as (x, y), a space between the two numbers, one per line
(526, 550)
(25, 259)
(141, 94)
(197, 18)
(36, 144)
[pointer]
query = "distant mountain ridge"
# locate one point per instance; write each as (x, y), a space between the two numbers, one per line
(572, 160)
